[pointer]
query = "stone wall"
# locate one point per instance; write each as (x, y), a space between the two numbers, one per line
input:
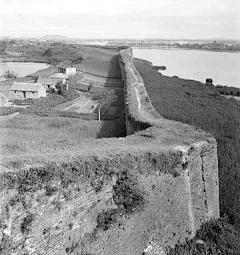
(199, 157)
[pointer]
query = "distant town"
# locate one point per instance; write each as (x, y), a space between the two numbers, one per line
(213, 45)
(210, 45)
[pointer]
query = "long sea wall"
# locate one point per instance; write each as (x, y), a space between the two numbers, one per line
(130, 196)
(199, 157)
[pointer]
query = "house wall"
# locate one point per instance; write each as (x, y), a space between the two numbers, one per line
(61, 70)
(49, 86)
(42, 92)
(83, 86)
(71, 70)
(31, 94)
(19, 94)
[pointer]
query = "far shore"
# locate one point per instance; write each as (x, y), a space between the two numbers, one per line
(7, 58)
(179, 48)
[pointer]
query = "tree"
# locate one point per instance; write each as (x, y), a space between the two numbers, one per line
(54, 61)
(59, 87)
(105, 98)
(10, 74)
(3, 46)
(47, 52)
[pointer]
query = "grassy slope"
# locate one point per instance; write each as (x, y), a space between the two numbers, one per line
(29, 133)
(194, 103)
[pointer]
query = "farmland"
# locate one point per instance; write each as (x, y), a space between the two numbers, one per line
(31, 133)
(63, 121)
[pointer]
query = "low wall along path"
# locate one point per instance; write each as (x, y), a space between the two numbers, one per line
(129, 196)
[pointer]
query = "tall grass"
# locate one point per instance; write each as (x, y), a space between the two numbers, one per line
(32, 132)
(201, 106)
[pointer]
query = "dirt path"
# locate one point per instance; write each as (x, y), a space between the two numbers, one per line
(83, 104)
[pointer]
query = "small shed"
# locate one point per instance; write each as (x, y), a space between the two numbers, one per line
(83, 86)
(67, 69)
(48, 82)
(24, 90)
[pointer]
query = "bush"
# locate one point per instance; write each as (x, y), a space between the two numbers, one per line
(9, 110)
(45, 106)
(10, 74)
(216, 237)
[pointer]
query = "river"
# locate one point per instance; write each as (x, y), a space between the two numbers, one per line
(222, 67)
(21, 68)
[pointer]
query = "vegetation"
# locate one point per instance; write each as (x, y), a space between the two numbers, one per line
(31, 133)
(10, 74)
(44, 106)
(9, 110)
(201, 105)
(3, 46)
(216, 237)
(50, 53)
(105, 98)
(225, 90)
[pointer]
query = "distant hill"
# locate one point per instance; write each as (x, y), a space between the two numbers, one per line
(55, 37)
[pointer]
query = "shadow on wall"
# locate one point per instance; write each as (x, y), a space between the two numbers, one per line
(114, 68)
(112, 128)
(112, 116)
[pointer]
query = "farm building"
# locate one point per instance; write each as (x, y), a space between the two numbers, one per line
(83, 86)
(66, 69)
(11, 95)
(48, 82)
(24, 90)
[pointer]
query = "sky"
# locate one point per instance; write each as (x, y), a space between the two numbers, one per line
(133, 19)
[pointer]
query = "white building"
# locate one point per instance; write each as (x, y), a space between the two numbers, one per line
(24, 90)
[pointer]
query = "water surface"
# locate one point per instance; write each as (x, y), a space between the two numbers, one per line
(222, 67)
(21, 68)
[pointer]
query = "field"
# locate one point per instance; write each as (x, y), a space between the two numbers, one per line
(31, 133)
(62, 121)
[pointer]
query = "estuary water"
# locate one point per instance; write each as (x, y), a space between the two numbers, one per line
(222, 67)
(21, 68)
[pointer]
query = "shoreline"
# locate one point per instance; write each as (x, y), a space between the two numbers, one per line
(22, 61)
(178, 77)
(179, 48)
(9, 58)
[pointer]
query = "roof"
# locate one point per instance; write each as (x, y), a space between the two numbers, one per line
(64, 65)
(82, 82)
(59, 75)
(48, 80)
(24, 86)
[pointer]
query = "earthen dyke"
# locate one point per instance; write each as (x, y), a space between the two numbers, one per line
(130, 196)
